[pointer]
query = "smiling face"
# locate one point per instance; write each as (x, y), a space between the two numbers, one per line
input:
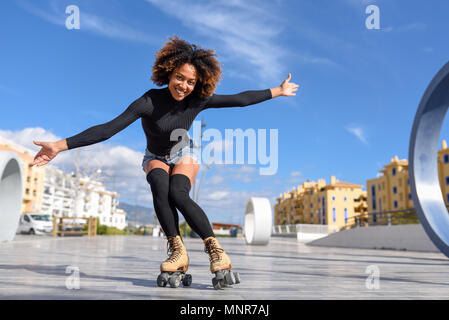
(182, 81)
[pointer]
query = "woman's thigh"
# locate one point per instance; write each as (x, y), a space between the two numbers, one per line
(188, 167)
(152, 164)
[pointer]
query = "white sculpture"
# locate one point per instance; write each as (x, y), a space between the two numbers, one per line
(258, 221)
(10, 194)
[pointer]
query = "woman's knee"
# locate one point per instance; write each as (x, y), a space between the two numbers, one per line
(158, 179)
(179, 187)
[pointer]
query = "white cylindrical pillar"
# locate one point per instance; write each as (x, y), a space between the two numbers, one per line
(258, 221)
(10, 194)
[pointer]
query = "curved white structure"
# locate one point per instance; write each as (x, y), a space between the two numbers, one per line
(10, 194)
(258, 221)
(423, 169)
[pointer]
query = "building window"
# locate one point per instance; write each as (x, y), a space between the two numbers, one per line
(447, 197)
(409, 196)
(446, 158)
(373, 192)
(346, 215)
(345, 198)
(333, 198)
(393, 171)
(334, 215)
(447, 180)
(395, 190)
(395, 204)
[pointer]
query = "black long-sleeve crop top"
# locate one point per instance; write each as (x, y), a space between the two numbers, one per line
(161, 114)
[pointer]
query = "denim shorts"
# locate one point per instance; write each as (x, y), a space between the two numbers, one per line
(171, 160)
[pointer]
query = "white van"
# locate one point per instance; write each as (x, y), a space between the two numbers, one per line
(35, 223)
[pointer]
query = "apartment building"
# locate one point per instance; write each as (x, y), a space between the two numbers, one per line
(390, 192)
(92, 199)
(331, 204)
(443, 171)
(49, 190)
(59, 191)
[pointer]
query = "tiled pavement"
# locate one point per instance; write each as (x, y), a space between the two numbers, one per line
(126, 267)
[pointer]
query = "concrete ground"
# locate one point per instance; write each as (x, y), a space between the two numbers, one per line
(126, 267)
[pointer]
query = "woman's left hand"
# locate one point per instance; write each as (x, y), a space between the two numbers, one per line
(287, 88)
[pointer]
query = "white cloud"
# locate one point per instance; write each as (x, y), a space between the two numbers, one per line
(358, 132)
(217, 195)
(295, 173)
(243, 30)
(215, 180)
(26, 136)
(231, 208)
(110, 28)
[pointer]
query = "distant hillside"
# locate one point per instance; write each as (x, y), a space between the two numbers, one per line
(138, 214)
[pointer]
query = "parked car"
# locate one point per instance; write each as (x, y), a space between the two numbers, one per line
(35, 223)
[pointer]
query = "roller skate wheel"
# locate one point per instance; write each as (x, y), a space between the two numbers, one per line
(216, 284)
(187, 280)
(229, 278)
(174, 281)
(237, 277)
(223, 283)
(162, 280)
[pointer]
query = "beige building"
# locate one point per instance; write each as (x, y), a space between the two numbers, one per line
(390, 192)
(334, 204)
(33, 177)
(443, 171)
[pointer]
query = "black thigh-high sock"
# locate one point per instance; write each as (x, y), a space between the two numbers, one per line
(165, 209)
(194, 215)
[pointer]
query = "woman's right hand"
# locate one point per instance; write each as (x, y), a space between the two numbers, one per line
(48, 151)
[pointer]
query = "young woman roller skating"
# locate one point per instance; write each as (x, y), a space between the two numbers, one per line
(191, 74)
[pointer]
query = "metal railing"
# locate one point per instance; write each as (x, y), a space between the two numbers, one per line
(300, 228)
(383, 218)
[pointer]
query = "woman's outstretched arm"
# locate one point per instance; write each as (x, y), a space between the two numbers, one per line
(92, 135)
(252, 97)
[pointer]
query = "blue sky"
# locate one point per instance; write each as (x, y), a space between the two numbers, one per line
(354, 110)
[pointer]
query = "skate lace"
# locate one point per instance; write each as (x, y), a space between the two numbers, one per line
(173, 249)
(213, 251)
